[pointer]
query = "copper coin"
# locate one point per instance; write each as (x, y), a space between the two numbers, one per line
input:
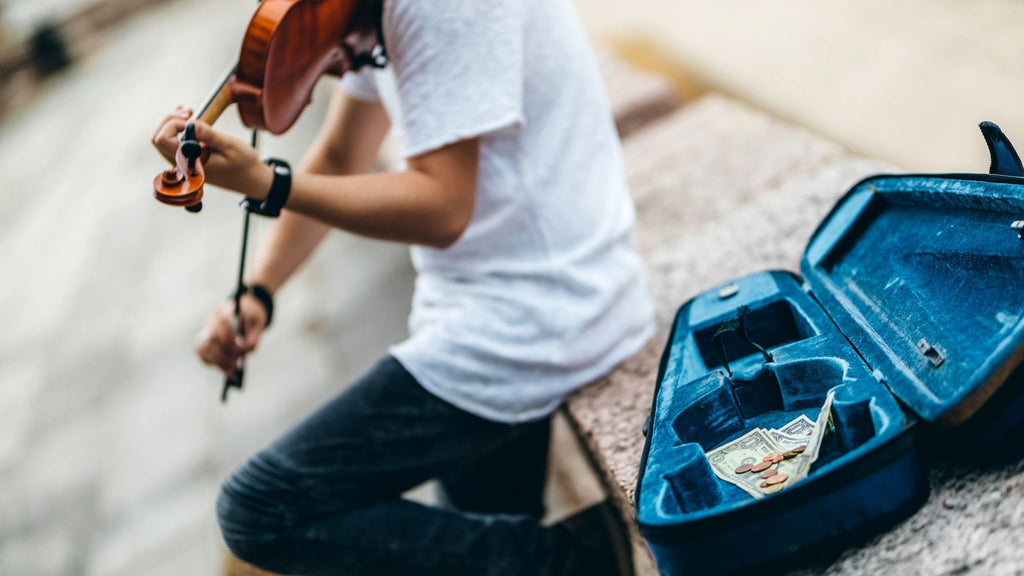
(778, 458)
(760, 466)
(778, 478)
(770, 457)
(744, 468)
(799, 449)
(765, 484)
(769, 473)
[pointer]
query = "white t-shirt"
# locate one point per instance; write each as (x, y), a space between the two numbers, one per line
(544, 291)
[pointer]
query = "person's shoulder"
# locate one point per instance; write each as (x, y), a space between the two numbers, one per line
(442, 12)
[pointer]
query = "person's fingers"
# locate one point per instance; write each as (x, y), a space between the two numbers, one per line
(179, 113)
(215, 355)
(253, 333)
(207, 135)
(166, 139)
(222, 331)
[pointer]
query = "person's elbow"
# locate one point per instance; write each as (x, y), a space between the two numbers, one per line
(452, 222)
(451, 173)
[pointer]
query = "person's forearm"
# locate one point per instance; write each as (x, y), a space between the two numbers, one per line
(409, 207)
(347, 144)
(430, 203)
(290, 241)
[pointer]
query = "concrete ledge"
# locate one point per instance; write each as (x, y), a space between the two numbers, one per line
(636, 97)
(721, 190)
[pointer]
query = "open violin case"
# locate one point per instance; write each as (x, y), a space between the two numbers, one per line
(909, 311)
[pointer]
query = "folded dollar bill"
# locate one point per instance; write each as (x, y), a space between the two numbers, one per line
(750, 448)
(733, 461)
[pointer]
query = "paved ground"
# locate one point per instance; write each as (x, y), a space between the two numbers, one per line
(112, 441)
(111, 437)
(904, 81)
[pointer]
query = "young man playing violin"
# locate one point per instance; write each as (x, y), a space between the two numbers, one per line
(529, 286)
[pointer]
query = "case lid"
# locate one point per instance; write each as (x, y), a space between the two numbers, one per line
(925, 275)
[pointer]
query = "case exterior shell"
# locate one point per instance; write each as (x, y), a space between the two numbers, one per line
(910, 309)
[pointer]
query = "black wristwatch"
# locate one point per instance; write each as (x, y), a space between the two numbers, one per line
(280, 188)
(264, 296)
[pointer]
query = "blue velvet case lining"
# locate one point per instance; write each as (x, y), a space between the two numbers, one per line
(923, 275)
(700, 407)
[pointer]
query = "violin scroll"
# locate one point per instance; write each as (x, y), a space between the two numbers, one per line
(182, 185)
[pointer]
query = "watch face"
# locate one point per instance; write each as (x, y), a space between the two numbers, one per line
(281, 170)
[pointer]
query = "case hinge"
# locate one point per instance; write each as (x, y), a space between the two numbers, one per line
(931, 353)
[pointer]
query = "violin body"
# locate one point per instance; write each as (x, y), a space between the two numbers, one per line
(288, 46)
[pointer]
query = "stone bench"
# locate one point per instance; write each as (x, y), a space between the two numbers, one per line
(721, 190)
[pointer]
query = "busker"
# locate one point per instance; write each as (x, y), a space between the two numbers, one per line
(529, 286)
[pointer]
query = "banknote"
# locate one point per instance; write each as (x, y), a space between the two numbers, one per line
(750, 448)
(787, 442)
(821, 427)
(799, 426)
(797, 468)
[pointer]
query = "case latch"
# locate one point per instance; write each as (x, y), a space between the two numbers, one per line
(1018, 225)
(931, 353)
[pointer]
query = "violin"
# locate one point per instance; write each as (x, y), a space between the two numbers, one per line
(288, 46)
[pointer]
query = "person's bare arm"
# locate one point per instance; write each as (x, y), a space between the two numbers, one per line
(429, 203)
(347, 144)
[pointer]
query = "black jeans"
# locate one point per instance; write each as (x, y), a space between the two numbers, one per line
(325, 498)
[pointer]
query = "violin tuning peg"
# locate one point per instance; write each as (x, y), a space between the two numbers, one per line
(191, 149)
(195, 208)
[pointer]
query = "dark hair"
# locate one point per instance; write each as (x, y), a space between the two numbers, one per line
(367, 15)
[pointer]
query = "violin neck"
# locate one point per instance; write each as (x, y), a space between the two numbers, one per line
(219, 100)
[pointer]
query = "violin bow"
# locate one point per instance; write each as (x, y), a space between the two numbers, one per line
(236, 380)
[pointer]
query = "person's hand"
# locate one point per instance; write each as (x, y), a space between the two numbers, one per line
(231, 164)
(219, 345)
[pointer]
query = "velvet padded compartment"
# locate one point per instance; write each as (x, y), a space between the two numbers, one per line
(913, 288)
(691, 485)
(925, 275)
(700, 406)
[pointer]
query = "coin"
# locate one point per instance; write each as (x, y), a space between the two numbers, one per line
(790, 454)
(778, 478)
(770, 457)
(778, 458)
(769, 473)
(744, 468)
(772, 489)
(760, 466)
(799, 449)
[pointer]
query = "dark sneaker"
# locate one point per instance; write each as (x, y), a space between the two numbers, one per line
(599, 542)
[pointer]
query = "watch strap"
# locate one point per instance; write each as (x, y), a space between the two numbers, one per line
(264, 296)
(280, 189)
